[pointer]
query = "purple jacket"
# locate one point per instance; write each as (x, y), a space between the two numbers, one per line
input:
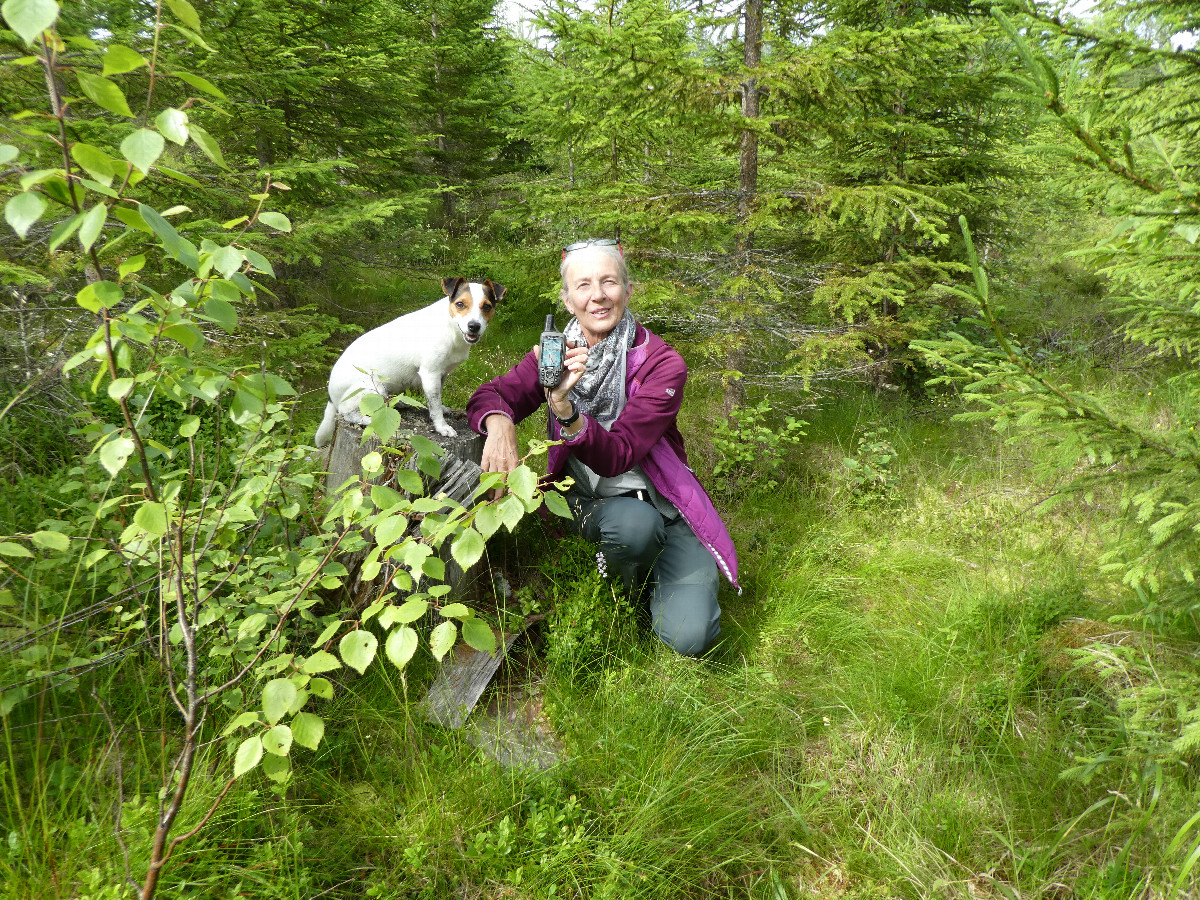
(645, 434)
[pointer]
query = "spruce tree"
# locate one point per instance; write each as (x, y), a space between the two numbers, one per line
(1127, 107)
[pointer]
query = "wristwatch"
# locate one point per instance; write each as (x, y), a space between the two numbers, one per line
(569, 420)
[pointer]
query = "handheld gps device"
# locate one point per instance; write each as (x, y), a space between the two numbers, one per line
(553, 354)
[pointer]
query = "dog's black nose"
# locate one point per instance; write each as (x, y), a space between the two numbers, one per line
(474, 327)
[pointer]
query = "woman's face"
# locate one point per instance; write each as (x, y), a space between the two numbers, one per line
(595, 295)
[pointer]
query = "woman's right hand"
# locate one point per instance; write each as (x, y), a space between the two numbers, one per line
(500, 452)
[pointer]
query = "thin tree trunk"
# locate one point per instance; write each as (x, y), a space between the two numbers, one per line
(751, 58)
(752, 29)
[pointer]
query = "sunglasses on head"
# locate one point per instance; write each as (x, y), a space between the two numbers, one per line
(593, 242)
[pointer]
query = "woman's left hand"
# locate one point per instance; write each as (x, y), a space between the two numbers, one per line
(575, 364)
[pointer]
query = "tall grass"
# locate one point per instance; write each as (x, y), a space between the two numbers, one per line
(889, 713)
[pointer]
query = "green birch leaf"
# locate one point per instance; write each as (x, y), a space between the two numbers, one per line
(186, 13)
(131, 265)
(132, 218)
(96, 163)
(260, 262)
(62, 231)
(99, 188)
(414, 554)
(104, 93)
(8, 153)
(467, 547)
(298, 704)
(227, 260)
(91, 226)
(8, 548)
(358, 649)
(479, 635)
(120, 388)
(327, 633)
(390, 530)
(179, 176)
(51, 540)
(173, 125)
(251, 626)
(275, 220)
(206, 143)
(425, 447)
(176, 246)
(411, 610)
(192, 36)
(119, 59)
(221, 312)
(410, 481)
(29, 18)
(98, 295)
(307, 730)
(385, 422)
(512, 510)
(38, 176)
(401, 645)
(441, 639)
(384, 497)
(241, 721)
(22, 211)
(522, 481)
(115, 453)
(455, 610)
(277, 768)
(278, 740)
(249, 753)
(487, 519)
(321, 661)
(1189, 231)
(142, 148)
(151, 517)
(372, 462)
(201, 83)
(277, 697)
(557, 504)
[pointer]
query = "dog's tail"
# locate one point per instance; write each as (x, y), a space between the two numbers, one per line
(325, 432)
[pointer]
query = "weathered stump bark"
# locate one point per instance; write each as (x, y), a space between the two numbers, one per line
(458, 480)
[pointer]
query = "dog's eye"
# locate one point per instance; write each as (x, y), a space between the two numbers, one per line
(461, 305)
(487, 307)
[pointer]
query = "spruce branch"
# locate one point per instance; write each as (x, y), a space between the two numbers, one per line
(1085, 408)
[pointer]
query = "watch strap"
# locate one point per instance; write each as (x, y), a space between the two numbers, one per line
(569, 420)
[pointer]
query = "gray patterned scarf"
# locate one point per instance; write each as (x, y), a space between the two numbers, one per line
(601, 391)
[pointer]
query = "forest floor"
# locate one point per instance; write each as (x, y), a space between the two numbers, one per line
(901, 705)
(889, 713)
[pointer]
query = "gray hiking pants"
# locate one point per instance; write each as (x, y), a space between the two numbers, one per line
(644, 548)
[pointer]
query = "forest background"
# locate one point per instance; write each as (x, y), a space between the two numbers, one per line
(933, 267)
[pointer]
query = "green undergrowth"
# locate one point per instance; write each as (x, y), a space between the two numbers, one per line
(896, 697)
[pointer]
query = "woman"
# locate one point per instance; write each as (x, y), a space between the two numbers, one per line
(615, 412)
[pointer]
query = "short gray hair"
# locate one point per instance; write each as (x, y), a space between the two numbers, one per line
(610, 250)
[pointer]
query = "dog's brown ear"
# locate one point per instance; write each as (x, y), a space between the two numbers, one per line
(451, 285)
(498, 290)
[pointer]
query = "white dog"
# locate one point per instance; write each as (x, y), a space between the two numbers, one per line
(421, 348)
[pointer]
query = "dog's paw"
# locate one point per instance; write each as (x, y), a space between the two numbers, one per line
(445, 430)
(357, 418)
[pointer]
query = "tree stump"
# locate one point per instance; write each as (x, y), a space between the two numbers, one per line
(458, 480)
